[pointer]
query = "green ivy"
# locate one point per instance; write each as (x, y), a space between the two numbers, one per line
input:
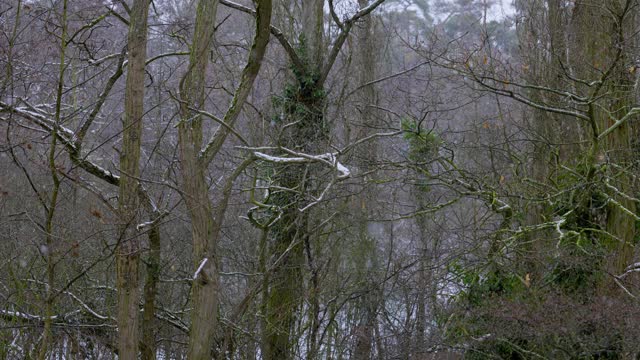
(423, 145)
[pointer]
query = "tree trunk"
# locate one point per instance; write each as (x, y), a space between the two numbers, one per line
(366, 157)
(128, 256)
(312, 30)
(290, 232)
(205, 224)
(50, 209)
(602, 31)
(544, 52)
(196, 192)
(150, 293)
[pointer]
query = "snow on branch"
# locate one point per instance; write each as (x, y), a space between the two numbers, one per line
(195, 275)
(23, 316)
(66, 136)
(633, 268)
(150, 223)
(330, 159)
(294, 157)
(144, 225)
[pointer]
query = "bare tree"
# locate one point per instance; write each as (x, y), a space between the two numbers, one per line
(128, 253)
(194, 158)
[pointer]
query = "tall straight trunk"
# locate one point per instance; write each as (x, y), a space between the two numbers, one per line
(148, 350)
(312, 29)
(314, 301)
(603, 31)
(289, 234)
(50, 209)
(153, 262)
(424, 293)
(128, 256)
(306, 131)
(284, 298)
(194, 159)
(424, 279)
(620, 223)
(366, 158)
(205, 286)
(544, 53)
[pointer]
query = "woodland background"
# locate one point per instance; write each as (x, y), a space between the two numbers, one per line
(288, 179)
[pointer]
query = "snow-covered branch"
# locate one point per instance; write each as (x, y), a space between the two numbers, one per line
(23, 316)
(330, 159)
(199, 270)
(65, 136)
(633, 268)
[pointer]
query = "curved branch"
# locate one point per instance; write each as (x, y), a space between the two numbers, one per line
(249, 74)
(277, 33)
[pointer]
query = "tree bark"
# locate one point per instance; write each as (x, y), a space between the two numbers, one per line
(602, 52)
(288, 235)
(48, 252)
(205, 224)
(366, 157)
(128, 248)
(196, 192)
(304, 109)
(148, 350)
